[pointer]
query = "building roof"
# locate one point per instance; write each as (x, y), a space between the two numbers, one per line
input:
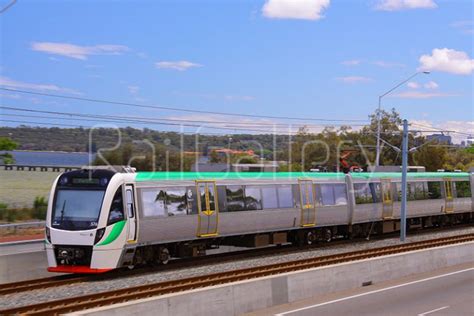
(176, 175)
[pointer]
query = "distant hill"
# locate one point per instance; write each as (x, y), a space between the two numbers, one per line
(77, 139)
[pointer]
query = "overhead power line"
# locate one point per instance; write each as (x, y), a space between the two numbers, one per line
(88, 127)
(148, 119)
(436, 129)
(178, 109)
(87, 117)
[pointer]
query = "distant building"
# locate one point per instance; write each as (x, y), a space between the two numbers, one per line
(242, 167)
(395, 169)
(470, 140)
(440, 138)
(224, 152)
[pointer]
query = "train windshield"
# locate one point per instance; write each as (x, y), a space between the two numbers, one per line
(77, 209)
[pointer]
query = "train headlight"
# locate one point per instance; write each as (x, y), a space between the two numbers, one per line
(63, 180)
(48, 234)
(99, 234)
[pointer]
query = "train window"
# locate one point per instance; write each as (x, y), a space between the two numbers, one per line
(176, 201)
(327, 194)
(153, 203)
(285, 196)
(116, 210)
(253, 198)
(235, 198)
(434, 190)
(367, 193)
(211, 193)
(340, 194)
(269, 197)
(415, 191)
(463, 189)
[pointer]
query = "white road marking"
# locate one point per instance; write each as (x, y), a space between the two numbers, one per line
(432, 311)
(373, 292)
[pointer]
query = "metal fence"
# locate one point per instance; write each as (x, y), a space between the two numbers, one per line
(14, 227)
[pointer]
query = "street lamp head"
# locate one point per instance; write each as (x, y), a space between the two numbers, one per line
(426, 72)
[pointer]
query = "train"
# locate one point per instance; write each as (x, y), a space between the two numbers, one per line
(101, 218)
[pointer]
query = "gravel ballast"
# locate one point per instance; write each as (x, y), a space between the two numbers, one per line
(79, 289)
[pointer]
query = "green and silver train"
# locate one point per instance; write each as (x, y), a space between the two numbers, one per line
(100, 219)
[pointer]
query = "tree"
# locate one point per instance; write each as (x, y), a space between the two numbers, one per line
(389, 132)
(6, 144)
(431, 156)
(459, 158)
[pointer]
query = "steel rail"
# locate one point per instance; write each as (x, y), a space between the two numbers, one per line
(61, 280)
(156, 289)
(29, 285)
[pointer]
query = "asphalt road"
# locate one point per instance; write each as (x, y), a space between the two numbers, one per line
(444, 292)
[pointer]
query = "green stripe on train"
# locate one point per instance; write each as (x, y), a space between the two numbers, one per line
(176, 175)
(116, 230)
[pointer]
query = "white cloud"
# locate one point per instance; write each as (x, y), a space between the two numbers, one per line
(447, 60)
(9, 83)
(295, 9)
(133, 89)
(397, 5)
(463, 23)
(466, 127)
(209, 123)
(465, 26)
(9, 95)
(431, 85)
(176, 65)
(413, 85)
(354, 79)
(386, 64)
(76, 51)
(239, 98)
(422, 95)
(353, 62)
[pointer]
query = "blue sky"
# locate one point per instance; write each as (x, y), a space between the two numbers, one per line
(314, 58)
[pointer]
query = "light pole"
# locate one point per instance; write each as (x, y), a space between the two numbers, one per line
(379, 109)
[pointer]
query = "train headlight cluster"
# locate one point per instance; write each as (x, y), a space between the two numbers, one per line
(63, 181)
(48, 234)
(99, 234)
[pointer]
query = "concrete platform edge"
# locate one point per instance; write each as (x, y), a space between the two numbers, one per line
(246, 296)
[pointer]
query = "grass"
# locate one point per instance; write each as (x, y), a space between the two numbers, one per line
(18, 189)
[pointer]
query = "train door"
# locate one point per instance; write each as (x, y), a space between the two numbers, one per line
(387, 199)
(448, 196)
(307, 203)
(208, 209)
(131, 213)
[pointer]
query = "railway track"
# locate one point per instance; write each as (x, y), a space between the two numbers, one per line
(156, 289)
(55, 281)
(42, 283)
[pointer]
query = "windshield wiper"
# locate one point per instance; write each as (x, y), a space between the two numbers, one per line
(62, 212)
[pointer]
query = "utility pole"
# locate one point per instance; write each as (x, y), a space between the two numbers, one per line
(379, 112)
(403, 211)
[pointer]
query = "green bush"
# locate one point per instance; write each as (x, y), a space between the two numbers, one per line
(40, 205)
(3, 211)
(11, 215)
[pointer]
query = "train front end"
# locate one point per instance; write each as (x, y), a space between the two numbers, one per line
(85, 223)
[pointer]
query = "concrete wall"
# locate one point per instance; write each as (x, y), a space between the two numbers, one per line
(247, 296)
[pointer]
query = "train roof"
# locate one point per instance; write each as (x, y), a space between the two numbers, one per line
(176, 175)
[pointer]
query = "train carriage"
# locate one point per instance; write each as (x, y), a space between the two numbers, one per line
(100, 219)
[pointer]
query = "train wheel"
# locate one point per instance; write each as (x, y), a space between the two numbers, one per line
(310, 238)
(164, 256)
(327, 235)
